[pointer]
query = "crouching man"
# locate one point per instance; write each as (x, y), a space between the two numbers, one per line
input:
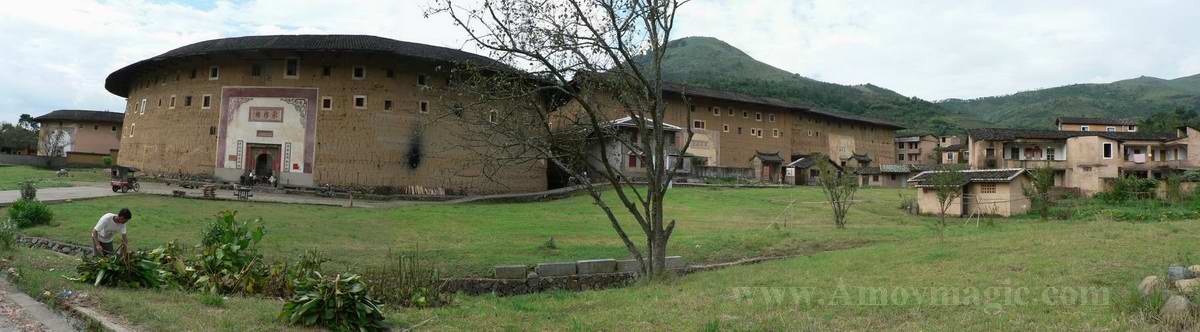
(106, 231)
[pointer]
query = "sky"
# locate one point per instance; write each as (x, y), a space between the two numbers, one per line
(58, 53)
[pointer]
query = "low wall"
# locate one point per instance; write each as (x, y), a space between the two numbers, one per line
(80, 159)
(30, 160)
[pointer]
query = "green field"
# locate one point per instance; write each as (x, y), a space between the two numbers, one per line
(12, 176)
(714, 225)
(887, 271)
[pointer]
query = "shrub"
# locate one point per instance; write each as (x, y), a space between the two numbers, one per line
(107, 161)
(27, 212)
(229, 261)
(8, 235)
(339, 303)
(1174, 189)
(137, 270)
(909, 204)
(1126, 188)
(28, 190)
(409, 281)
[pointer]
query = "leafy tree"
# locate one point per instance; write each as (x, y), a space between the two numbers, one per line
(839, 187)
(948, 185)
(26, 121)
(15, 138)
(1041, 180)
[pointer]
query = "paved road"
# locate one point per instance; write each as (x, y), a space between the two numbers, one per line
(58, 194)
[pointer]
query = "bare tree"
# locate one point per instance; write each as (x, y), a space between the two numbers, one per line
(839, 187)
(54, 145)
(948, 185)
(567, 69)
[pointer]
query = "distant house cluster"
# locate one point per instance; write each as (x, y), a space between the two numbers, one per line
(1084, 154)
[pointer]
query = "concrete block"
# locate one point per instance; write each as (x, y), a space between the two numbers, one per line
(555, 269)
(675, 263)
(629, 266)
(595, 266)
(511, 271)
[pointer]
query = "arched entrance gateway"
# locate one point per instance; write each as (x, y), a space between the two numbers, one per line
(269, 131)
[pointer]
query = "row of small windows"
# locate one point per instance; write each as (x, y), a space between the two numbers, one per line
(758, 116)
(756, 132)
(291, 70)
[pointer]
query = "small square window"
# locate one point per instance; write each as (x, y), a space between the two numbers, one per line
(758, 116)
(95, 127)
(771, 117)
(424, 107)
(256, 70)
(745, 114)
(716, 111)
(326, 103)
(360, 102)
(212, 131)
(291, 68)
(391, 73)
(326, 71)
(698, 124)
(187, 101)
(114, 128)
(193, 75)
(214, 73)
(360, 72)
(206, 102)
(423, 80)
(387, 105)
(731, 111)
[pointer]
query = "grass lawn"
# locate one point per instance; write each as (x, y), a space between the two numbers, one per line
(12, 176)
(1042, 265)
(714, 225)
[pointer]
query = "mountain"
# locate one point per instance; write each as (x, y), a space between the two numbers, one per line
(712, 63)
(1137, 98)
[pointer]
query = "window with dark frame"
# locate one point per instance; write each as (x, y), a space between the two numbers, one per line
(187, 101)
(206, 101)
(291, 67)
(423, 80)
(360, 101)
(214, 72)
(424, 107)
(326, 103)
(193, 75)
(326, 71)
(391, 73)
(360, 72)
(387, 105)
(256, 70)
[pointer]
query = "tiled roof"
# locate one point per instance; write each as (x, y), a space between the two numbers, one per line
(808, 161)
(679, 88)
(629, 122)
(894, 169)
(952, 147)
(975, 175)
(82, 116)
(118, 81)
(1004, 134)
(1097, 121)
(773, 157)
